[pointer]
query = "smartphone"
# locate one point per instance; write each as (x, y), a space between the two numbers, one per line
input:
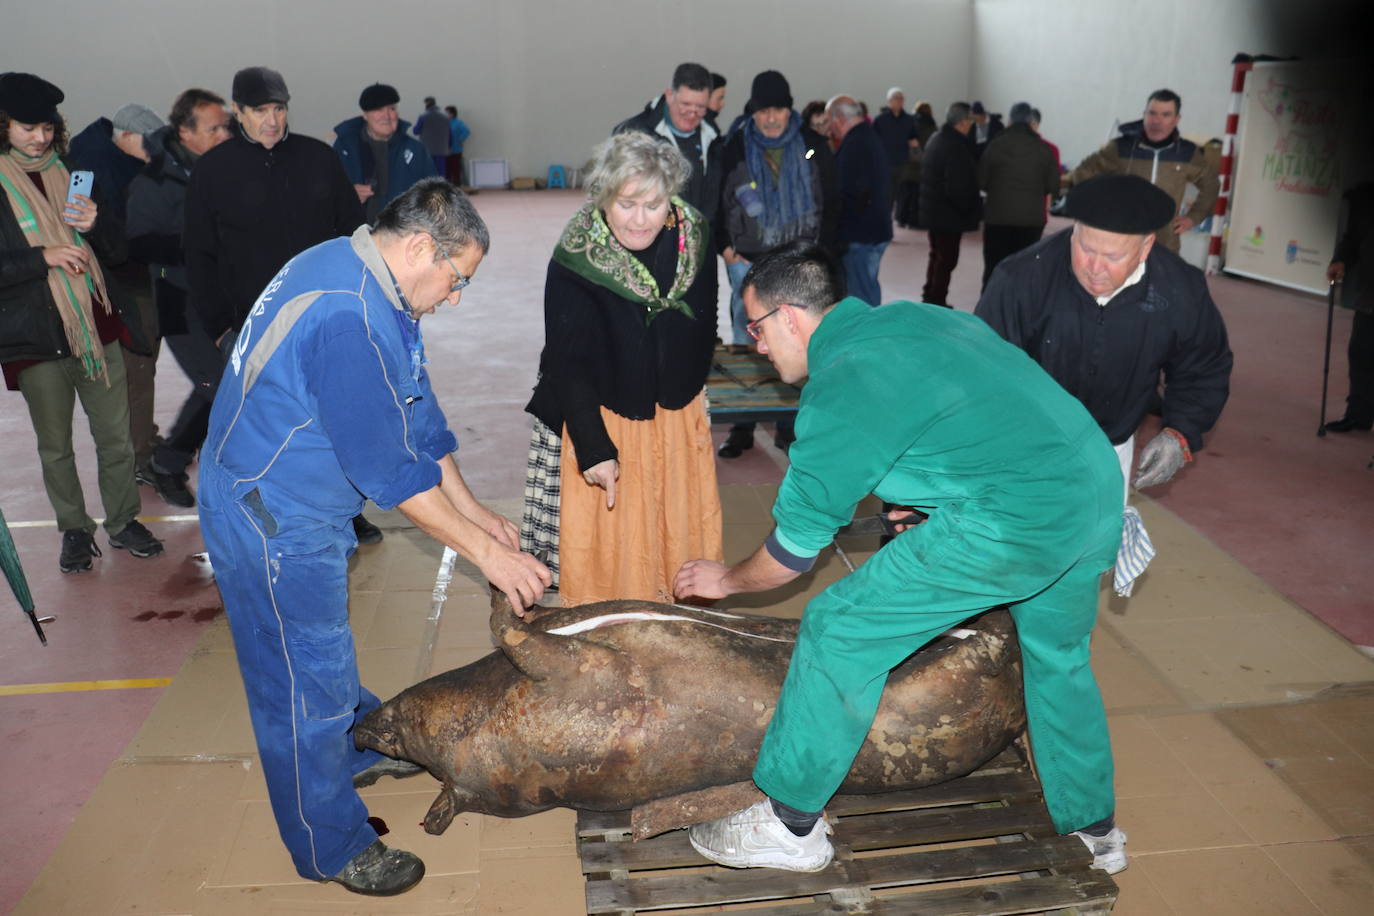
(80, 184)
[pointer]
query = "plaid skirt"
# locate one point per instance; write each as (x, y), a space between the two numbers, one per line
(539, 521)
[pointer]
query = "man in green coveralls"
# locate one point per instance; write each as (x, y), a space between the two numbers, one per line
(924, 407)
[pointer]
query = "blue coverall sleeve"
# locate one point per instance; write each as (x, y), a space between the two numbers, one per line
(432, 434)
(369, 416)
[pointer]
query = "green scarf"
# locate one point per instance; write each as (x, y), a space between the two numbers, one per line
(589, 249)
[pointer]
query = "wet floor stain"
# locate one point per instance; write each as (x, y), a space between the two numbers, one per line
(199, 615)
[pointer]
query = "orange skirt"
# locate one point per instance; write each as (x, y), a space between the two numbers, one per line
(667, 509)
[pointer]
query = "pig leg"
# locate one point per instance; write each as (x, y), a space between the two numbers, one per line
(451, 801)
(662, 814)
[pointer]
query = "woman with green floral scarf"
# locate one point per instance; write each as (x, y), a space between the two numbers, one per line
(621, 487)
(59, 331)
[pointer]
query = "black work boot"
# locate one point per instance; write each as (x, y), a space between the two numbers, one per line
(387, 766)
(381, 872)
(78, 546)
(740, 440)
(365, 531)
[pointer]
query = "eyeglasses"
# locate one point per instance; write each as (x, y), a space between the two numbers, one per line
(753, 326)
(461, 280)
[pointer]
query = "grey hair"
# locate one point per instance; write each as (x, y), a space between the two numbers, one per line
(438, 208)
(635, 156)
(895, 90)
(957, 114)
(850, 110)
(1021, 113)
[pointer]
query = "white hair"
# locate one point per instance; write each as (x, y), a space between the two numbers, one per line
(849, 110)
(637, 157)
(895, 90)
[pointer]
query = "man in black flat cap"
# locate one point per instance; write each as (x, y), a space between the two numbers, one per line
(1110, 314)
(381, 158)
(256, 201)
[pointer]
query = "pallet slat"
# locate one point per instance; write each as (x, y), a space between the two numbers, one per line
(897, 869)
(881, 830)
(742, 886)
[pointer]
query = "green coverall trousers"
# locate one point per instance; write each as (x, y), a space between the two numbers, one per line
(925, 581)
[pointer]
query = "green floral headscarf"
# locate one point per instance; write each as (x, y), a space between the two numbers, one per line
(589, 249)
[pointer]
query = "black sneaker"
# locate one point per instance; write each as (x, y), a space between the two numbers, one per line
(381, 872)
(136, 539)
(171, 487)
(365, 531)
(78, 547)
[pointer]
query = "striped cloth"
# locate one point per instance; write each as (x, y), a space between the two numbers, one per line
(539, 521)
(1135, 554)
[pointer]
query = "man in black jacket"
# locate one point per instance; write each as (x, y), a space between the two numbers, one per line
(986, 127)
(896, 131)
(778, 185)
(1352, 265)
(256, 201)
(950, 203)
(1111, 315)
(1018, 170)
(679, 116)
(157, 206)
(865, 212)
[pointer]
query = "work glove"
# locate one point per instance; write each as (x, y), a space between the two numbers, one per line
(1161, 458)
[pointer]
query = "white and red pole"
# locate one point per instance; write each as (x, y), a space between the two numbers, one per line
(1242, 65)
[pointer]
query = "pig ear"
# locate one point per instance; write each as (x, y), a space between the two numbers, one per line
(541, 656)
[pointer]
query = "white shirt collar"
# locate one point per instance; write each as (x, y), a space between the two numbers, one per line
(1132, 280)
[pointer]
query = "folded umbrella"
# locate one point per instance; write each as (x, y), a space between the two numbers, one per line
(14, 572)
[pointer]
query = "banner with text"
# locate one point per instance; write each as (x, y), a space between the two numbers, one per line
(1295, 157)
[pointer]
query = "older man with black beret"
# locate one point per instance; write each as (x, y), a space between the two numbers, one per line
(379, 155)
(1110, 315)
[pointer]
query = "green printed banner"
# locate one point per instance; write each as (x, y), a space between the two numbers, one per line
(1296, 155)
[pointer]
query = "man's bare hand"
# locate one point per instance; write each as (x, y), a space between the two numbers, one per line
(1335, 272)
(520, 576)
(702, 579)
(904, 512)
(364, 192)
(499, 527)
(1182, 224)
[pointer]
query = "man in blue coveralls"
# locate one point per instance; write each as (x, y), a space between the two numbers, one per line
(924, 407)
(326, 402)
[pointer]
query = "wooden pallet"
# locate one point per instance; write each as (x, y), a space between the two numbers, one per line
(982, 845)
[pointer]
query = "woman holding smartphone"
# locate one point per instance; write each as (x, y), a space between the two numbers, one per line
(60, 323)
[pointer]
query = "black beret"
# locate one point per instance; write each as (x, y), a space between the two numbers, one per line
(254, 86)
(1127, 204)
(378, 95)
(29, 99)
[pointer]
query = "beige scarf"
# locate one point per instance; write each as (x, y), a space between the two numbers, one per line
(40, 219)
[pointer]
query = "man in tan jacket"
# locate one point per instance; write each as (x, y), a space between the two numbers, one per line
(1153, 149)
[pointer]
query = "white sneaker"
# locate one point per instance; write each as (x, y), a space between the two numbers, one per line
(1109, 852)
(756, 838)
